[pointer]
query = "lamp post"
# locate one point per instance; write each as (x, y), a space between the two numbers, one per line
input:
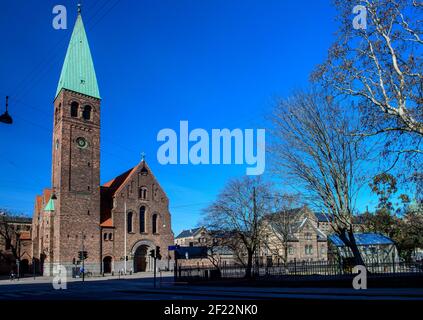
(5, 117)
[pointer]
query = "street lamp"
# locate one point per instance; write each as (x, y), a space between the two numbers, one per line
(5, 117)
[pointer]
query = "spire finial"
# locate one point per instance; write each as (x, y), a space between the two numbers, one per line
(143, 156)
(79, 8)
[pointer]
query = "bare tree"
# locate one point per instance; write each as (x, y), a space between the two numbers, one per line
(313, 148)
(238, 210)
(217, 242)
(380, 66)
(9, 233)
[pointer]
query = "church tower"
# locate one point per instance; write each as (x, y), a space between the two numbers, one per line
(76, 159)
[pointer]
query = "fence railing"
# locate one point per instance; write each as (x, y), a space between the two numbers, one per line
(309, 268)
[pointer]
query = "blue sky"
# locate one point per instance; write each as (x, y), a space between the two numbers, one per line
(215, 63)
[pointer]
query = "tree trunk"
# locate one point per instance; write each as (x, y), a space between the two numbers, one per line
(249, 268)
(285, 252)
(347, 236)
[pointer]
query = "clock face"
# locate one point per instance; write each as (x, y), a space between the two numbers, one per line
(81, 142)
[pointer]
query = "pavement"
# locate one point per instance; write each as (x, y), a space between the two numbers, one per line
(140, 287)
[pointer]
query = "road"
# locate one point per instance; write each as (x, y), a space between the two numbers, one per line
(140, 287)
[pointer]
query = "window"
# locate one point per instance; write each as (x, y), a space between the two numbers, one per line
(308, 236)
(143, 193)
(86, 114)
(74, 109)
(290, 250)
(110, 236)
(105, 236)
(129, 222)
(308, 249)
(154, 223)
(142, 219)
(191, 244)
(57, 113)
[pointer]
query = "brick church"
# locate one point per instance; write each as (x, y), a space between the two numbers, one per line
(117, 223)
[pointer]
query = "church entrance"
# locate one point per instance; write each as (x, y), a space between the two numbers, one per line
(107, 265)
(140, 258)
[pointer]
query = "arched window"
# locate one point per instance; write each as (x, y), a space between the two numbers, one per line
(129, 222)
(142, 219)
(57, 113)
(110, 236)
(105, 236)
(86, 114)
(143, 193)
(74, 109)
(154, 223)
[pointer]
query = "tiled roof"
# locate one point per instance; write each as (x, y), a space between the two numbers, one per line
(46, 195)
(38, 203)
(188, 233)
(107, 223)
(116, 182)
(109, 189)
(362, 239)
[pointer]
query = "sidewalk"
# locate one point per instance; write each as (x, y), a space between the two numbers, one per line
(43, 279)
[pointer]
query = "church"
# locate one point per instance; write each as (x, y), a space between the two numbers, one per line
(115, 225)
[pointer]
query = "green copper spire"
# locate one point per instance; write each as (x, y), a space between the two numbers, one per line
(78, 72)
(49, 206)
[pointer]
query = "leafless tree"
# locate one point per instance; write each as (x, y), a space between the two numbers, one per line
(314, 149)
(216, 242)
(380, 67)
(238, 210)
(9, 233)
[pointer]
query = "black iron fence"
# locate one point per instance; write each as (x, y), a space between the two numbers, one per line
(294, 268)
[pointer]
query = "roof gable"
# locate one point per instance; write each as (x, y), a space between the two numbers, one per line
(189, 233)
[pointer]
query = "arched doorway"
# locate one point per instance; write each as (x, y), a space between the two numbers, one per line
(107, 264)
(140, 258)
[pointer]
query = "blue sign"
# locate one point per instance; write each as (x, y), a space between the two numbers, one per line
(191, 252)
